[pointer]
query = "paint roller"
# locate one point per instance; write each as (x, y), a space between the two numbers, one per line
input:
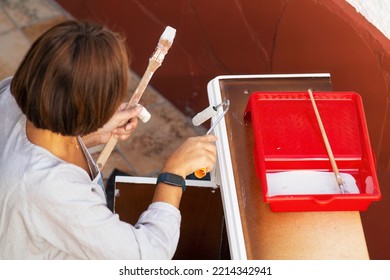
(205, 115)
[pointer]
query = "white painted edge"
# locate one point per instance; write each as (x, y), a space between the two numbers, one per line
(227, 184)
(276, 76)
(225, 171)
(152, 180)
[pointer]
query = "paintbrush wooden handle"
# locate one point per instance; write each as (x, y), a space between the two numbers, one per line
(106, 152)
(110, 145)
(325, 139)
(139, 91)
(155, 61)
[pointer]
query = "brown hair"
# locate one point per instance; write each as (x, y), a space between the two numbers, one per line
(73, 78)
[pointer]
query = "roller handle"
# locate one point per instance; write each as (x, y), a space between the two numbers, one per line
(202, 117)
(200, 173)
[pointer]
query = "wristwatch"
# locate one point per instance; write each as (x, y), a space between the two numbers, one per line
(172, 179)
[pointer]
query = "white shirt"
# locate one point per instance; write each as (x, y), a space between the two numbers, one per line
(50, 209)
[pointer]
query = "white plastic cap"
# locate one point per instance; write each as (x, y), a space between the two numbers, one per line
(144, 115)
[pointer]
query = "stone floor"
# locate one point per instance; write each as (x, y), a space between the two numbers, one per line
(22, 21)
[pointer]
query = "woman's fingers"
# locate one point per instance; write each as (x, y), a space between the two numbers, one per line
(123, 117)
(193, 154)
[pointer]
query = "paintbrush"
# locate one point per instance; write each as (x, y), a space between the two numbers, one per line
(327, 145)
(155, 61)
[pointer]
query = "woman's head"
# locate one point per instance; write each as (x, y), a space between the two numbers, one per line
(73, 78)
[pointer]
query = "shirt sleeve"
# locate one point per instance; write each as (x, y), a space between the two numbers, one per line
(72, 216)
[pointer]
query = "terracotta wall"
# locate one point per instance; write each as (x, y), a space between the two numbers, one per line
(263, 36)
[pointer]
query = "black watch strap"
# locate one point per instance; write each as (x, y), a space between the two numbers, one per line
(172, 179)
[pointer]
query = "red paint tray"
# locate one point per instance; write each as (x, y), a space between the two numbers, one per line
(288, 138)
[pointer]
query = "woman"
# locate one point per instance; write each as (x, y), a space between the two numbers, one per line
(66, 96)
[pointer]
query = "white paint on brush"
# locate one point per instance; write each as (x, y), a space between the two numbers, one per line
(168, 34)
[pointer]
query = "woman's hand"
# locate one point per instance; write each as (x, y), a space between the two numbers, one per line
(121, 125)
(195, 153)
